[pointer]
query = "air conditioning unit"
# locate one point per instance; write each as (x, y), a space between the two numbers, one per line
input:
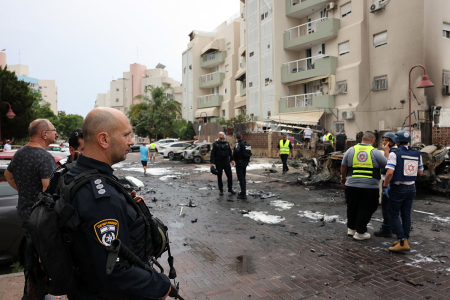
(446, 90)
(376, 6)
(348, 115)
(330, 6)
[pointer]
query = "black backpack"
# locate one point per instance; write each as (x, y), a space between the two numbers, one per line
(247, 150)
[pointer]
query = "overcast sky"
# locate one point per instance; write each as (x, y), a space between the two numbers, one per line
(84, 44)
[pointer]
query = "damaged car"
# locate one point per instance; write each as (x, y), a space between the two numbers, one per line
(199, 154)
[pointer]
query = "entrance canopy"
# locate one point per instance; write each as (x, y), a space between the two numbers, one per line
(299, 118)
(210, 112)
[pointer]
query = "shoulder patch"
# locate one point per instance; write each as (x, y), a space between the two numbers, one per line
(107, 231)
(100, 188)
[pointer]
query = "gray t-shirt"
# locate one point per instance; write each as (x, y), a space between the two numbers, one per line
(378, 160)
(29, 165)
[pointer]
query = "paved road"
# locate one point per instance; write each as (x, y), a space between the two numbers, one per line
(278, 248)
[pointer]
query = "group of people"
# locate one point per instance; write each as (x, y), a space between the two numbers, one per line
(363, 167)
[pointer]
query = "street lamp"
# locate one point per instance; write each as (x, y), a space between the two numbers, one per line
(425, 83)
(10, 115)
(201, 119)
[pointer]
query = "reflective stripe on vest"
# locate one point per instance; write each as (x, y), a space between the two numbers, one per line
(284, 149)
(362, 165)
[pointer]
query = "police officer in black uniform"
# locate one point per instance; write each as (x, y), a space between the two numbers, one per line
(221, 156)
(241, 165)
(107, 215)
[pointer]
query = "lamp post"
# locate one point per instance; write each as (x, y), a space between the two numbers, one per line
(201, 119)
(425, 83)
(10, 114)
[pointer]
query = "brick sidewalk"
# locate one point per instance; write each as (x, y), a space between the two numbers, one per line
(11, 286)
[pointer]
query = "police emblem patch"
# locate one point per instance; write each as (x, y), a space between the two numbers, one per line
(362, 156)
(107, 231)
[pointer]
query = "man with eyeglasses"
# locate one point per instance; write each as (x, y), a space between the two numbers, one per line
(29, 173)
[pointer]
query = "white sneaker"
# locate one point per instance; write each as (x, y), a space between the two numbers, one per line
(351, 232)
(360, 237)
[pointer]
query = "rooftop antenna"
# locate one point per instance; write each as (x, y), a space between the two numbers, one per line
(137, 55)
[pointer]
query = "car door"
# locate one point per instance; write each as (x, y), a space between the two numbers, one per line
(10, 238)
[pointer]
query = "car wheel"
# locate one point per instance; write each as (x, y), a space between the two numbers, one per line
(198, 160)
(171, 155)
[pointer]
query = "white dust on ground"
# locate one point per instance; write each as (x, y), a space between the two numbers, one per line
(263, 216)
(281, 205)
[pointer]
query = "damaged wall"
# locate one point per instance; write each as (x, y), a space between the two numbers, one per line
(441, 136)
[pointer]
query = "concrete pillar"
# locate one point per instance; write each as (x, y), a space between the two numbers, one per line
(269, 142)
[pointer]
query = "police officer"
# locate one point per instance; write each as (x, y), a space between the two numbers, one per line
(386, 230)
(221, 156)
(285, 147)
(241, 165)
(107, 215)
(362, 164)
(403, 167)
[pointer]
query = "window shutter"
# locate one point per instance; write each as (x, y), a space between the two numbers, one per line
(346, 8)
(380, 39)
(344, 48)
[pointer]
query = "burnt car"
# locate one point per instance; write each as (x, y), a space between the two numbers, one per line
(178, 154)
(200, 153)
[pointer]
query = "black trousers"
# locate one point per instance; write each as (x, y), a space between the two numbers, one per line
(328, 149)
(361, 204)
(284, 158)
(224, 166)
(241, 172)
(340, 147)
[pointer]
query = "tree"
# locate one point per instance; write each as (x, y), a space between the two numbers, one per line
(184, 130)
(68, 123)
(22, 100)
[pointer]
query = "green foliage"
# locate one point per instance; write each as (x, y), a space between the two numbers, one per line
(16, 267)
(226, 123)
(184, 130)
(68, 123)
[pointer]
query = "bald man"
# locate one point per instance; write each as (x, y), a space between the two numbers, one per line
(108, 214)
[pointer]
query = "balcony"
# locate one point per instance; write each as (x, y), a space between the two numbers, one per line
(314, 32)
(302, 8)
(211, 80)
(305, 102)
(209, 101)
(213, 59)
(243, 88)
(308, 68)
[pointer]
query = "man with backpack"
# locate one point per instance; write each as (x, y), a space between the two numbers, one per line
(242, 153)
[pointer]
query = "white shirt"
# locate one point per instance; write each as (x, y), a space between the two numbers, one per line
(383, 176)
(7, 147)
(308, 133)
(392, 162)
(324, 138)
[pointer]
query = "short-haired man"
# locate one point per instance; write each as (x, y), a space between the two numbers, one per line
(145, 153)
(241, 164)
(404, 166)
(307, 133)
(360, 174)
(29, 173)
(341, 141)
(152, 152)
(285, 148)
(8, 145)
(221, 155)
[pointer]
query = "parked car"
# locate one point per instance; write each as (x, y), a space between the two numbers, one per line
(136, 147)
(60, 157)
(201, 153)
(162, 142)
(168, 149)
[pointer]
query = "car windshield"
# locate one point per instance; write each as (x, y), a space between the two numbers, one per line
(190, 147)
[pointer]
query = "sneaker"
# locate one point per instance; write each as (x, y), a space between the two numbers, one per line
(401, 246)
(351, 232)
(360, 237)
(221, 193)
(241, 196)
(382, 233)
(232, 192)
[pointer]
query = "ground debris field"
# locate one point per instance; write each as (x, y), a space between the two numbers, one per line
(288, 240)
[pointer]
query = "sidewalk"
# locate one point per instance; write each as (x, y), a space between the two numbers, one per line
(11, 286)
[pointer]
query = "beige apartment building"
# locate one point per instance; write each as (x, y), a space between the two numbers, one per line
(123, 91)
(344, 64)
(209, 65)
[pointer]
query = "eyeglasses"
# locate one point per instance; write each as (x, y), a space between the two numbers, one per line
(50, 130)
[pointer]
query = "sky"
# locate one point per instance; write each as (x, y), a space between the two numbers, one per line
(84, 44)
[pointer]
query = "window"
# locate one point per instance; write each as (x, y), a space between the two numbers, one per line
(227, 68)
(380, 83)
(251, 54)
(224, 91)
(445, 77)
(341, 87)
(229, 46)
(223, 112)
(40, 87)
(269, 114)
(446, 30)
(380, 39)
(268, 46)
(190, 67)
(45, 87)
(344, 48)
(346, 9)
(264, 15)
(323, 48)
(250, 84)
(338, 127)
(117, 89)
(267, 81)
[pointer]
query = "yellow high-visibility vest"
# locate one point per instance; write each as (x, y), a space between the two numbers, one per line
(362, 164)
(152, 146)
(284, 149)
(328, 140)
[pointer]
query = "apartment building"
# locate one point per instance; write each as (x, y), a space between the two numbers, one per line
(209, 65)
(123, 91)
(344, 64)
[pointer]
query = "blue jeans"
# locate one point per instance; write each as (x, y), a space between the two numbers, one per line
(401, 198)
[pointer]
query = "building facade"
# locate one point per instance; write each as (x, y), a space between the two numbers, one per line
(209, 65)
(343, 64)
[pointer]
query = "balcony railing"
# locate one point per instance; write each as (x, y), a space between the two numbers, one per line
(301, 65)
(303, 29)
(206, 99)
(209, 77)
(209, 57)
(295, 2)
(301, 100)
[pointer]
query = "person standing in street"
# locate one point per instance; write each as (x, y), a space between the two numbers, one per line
(242, 161)
(145, 153)
(328, 142)
(7, 146)
(307, 137)
(386, 229)
(152, 152)
(29, 173)
(403, 167)
(360, 174)
(221, 156)
(341, 141)
(285, 148)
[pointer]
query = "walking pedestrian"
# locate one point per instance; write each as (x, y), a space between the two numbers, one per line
(307, 137)
(152, 152)
(403, 167)
(221, 156)
(386, 229)
(341, 141)
(145, 153)
(285, 147)
(29, 173)
(328, 142)
(360, 174)
(242, 159)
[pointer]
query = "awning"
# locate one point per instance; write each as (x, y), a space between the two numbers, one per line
(242, 101)
(302, 118)
(240, 75)
(307, 80)
(216, 45)
(210, 112)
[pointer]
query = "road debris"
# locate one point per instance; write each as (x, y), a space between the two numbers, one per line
(190, 204)
(434, 281)
(411, 281)
(424, 212)
(194, 221)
